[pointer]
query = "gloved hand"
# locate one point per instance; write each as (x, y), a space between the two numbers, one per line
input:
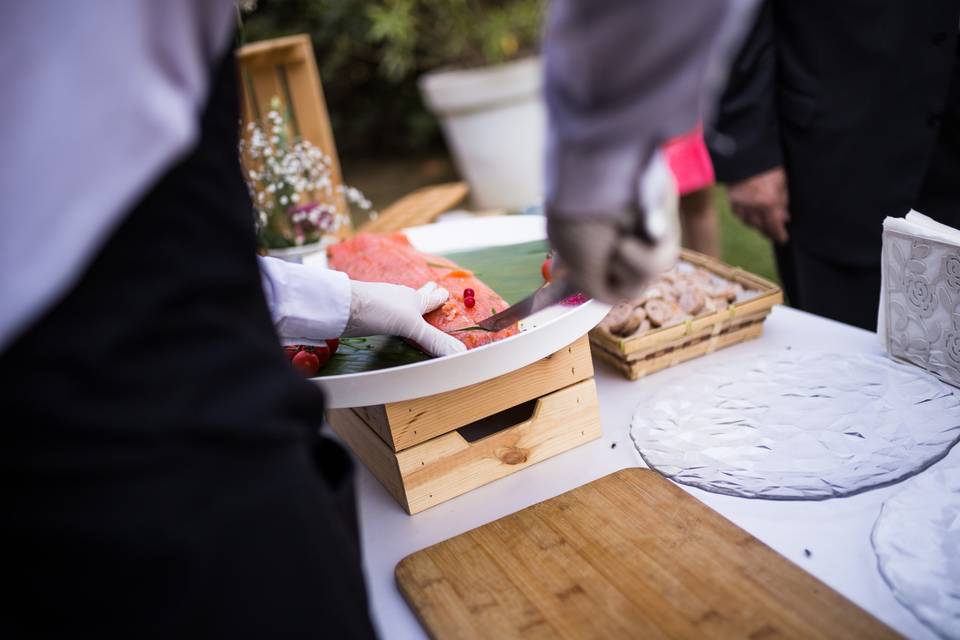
(612, 256)
(394, 310)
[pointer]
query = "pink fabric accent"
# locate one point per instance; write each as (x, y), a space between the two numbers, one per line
(689, 161)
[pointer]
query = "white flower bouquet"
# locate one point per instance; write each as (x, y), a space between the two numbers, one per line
(292, 185)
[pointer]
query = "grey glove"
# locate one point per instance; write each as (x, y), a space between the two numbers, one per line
(612, 256)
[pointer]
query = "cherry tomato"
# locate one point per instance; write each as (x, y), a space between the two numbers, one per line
(333, 345)
(322, 352)
(291, 350)
(545, 269)
(306, 362)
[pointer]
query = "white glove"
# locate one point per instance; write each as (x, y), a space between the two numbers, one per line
(612, 256)
(378, 308)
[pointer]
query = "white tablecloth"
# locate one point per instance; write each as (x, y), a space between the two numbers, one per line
(836, 532)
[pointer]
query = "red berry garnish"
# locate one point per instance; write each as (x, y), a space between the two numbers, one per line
(469, 302)
(306, 362)
(333, 345)
(546, 268)
(468, 293)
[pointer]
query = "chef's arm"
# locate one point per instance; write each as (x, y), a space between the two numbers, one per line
(310, 304)
(745, 141)
(621, 77)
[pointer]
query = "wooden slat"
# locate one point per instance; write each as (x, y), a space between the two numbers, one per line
(628, 556)
(286, 68)
(413, 421)
(447, 466)
(602, 337)
(635, 369)
(420, 207)
(372, 451)
(260, 62)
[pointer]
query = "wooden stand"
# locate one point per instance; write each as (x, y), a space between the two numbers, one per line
(431, 449)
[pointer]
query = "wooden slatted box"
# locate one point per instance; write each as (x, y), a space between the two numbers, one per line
(641, 354)
(428, 450)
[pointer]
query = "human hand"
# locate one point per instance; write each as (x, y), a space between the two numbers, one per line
(611, 256)
(761, 201)
(378, 308)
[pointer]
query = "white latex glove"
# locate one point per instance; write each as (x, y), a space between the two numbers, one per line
(611, 256)
(378, 308)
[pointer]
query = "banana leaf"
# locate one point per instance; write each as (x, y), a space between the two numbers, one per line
(513, 271)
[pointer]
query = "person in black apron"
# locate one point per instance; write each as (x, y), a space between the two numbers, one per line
(170, 477)
(164, 472)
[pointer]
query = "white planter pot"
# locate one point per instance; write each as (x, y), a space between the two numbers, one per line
(494, 121)
(314, 253)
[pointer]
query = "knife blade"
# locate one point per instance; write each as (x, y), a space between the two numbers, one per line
(549, 294)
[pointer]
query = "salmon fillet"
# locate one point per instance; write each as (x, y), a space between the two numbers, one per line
(391, 258)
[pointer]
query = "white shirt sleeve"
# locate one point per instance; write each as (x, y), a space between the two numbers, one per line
(100, 98)
(309, 304)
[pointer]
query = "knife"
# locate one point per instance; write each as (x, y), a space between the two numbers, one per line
(549, 294)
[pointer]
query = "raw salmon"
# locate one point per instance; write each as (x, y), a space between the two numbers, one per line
(391, 258)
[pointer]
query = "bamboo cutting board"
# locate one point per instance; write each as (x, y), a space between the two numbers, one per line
(630, 555)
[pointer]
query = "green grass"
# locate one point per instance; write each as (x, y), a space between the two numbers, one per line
(740, 245)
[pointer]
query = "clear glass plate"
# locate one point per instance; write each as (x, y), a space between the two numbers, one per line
(798, 425)
(917, 542)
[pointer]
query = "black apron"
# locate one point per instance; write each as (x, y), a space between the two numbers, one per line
(164, 476)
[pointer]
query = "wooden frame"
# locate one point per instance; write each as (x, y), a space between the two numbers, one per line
(285, 68)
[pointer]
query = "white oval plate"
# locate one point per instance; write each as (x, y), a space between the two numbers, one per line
(541, 335)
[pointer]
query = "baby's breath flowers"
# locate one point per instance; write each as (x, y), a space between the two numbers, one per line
(291, 183)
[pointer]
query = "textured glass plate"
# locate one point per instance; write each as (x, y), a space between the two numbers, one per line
(797, 425)
(917, 542)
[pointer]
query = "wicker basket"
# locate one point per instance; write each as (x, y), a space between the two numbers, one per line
(656, 349)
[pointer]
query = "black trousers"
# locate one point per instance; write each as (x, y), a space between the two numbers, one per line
(837, 291)
(939, 195)
(165, 539)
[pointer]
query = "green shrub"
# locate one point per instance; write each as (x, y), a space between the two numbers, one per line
(371, 53)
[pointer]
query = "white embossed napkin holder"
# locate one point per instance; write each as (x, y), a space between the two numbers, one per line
(919, 315)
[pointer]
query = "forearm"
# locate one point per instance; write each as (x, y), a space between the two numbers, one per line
(745, 140)
(622, 77)
(308, 304)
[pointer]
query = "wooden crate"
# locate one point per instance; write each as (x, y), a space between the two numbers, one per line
(431, 449)
(656, 349)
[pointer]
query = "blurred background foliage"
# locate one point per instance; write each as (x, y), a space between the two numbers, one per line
(370, 55)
